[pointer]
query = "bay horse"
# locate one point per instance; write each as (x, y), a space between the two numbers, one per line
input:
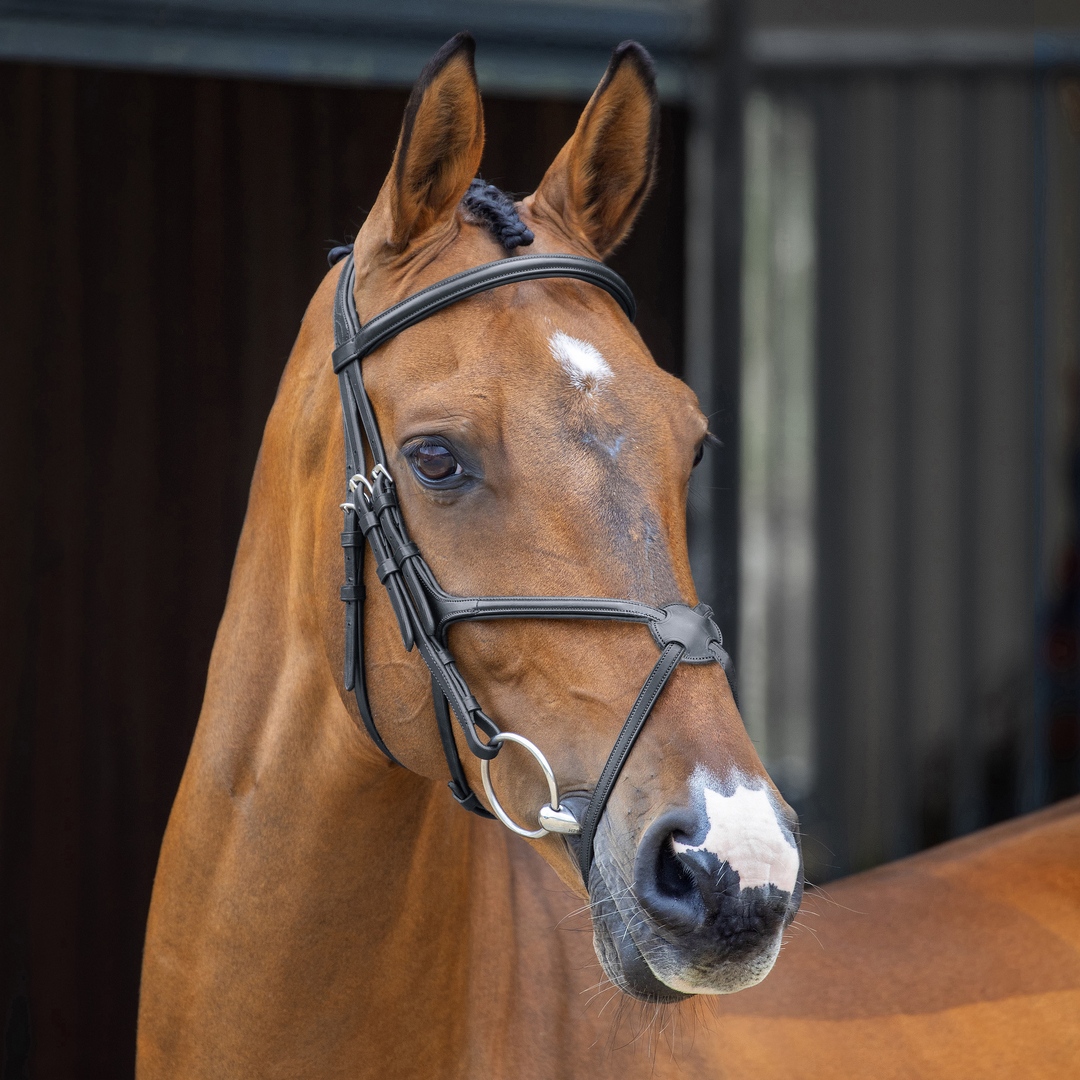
(321, 910)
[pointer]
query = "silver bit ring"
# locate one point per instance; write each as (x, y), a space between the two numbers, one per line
(555, 813)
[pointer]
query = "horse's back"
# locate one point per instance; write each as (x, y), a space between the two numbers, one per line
(961, 962)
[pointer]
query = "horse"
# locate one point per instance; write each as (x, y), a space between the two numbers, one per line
(322, 907)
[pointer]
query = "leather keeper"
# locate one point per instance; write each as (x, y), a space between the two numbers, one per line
(352, 538)
(386, 568)
(352, 593)
(346, 353)
(382, 500)
(367, 520)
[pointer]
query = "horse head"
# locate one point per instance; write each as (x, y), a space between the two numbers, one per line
(538, 450)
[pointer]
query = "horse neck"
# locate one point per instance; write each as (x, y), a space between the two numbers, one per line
(274, 698)
(293, 842)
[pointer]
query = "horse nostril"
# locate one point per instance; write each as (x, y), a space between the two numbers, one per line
(713, 891)
(673, 878)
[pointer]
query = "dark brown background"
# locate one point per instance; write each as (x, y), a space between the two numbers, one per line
(159, 240)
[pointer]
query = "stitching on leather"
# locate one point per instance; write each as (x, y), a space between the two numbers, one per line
(446, 299)
(589, 265)
(383, 326)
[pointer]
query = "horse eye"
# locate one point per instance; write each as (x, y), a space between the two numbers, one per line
(434, 463)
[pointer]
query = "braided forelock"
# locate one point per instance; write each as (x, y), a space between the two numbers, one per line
(486, 205)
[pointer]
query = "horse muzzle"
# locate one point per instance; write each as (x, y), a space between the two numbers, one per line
(711, 892)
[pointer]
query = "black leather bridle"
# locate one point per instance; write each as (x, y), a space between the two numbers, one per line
(425, 612)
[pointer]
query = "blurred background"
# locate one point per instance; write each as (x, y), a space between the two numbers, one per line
(863, 253)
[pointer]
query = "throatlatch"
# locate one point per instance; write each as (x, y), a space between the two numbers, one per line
(425, 612)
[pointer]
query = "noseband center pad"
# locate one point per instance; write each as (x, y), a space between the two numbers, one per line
(692, 628)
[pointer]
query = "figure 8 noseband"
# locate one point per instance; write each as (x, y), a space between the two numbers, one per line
(424, 611)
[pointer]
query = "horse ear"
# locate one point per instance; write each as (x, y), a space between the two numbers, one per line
(440, 145)
(596, 186)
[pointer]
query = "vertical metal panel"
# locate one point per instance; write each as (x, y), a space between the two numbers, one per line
(825, 848)
(1002, 617)
(867, 355)
(1060, 638)
(931, 491)
(962, 804)
(713, 259)
(936, 450)
(776, 487)
(1033, 745)
(1062, 308)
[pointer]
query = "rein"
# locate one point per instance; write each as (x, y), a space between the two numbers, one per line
(424, 611)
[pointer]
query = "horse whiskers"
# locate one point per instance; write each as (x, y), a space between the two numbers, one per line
(655, 1022)
(648, 1024)
(610, 1000)
(592, 904)
(809, 929)
(640, 917)
(819, 890)
(571, 914)
(607, 915)
(598, 919)
(602, 990)
(598, 985)
(613, 988)
(602, 915)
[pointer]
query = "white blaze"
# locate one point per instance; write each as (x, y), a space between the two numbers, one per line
(587, 368)
(744, 832)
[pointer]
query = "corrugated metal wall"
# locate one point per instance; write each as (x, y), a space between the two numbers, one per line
(946, 363)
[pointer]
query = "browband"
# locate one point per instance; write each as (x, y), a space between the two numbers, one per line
(420, 305)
